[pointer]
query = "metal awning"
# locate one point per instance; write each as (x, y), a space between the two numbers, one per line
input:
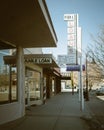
(26, 23)
(43, 60)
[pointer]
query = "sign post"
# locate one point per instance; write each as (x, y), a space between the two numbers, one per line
(74, 48)
(81, 86)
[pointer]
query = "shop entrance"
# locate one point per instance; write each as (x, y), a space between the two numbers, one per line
(32, 88)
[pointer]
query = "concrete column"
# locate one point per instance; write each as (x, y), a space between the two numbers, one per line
(43, 87)
(21, 79)
(58, 85)
(55, 88)
(48, 86)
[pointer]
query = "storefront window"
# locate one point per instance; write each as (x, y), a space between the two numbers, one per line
(4, 84)
(32, 85)
(8, 84)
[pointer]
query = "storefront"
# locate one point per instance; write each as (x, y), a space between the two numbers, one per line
(28, 26)
(40, 77)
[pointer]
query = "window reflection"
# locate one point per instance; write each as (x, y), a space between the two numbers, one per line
(13, 83)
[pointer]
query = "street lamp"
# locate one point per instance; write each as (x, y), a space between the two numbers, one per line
(86, 93)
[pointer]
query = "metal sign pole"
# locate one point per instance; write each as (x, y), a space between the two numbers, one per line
(79, 90)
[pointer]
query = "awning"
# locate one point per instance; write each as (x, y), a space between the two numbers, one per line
(43, 60)
(26, 23)
(52, 71)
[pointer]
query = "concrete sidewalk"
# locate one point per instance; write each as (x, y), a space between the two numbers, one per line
(61, 112)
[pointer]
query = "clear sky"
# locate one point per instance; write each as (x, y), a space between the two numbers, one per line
(91, 15)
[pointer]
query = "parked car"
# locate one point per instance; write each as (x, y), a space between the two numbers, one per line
(100, 91)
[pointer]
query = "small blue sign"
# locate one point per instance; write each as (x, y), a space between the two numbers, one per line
(75, 68)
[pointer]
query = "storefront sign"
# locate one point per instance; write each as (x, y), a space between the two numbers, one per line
(39, 60)
(42, 60)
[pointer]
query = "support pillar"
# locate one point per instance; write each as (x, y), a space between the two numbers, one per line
(47, 86)
(21, 79)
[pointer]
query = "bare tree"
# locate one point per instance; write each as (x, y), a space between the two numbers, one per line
(96, 49)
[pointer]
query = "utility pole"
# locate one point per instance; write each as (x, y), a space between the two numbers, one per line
(72, 83)
(81, 86)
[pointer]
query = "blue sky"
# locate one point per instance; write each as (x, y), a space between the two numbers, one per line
(91, 16)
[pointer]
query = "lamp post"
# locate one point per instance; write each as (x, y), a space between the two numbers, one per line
(87, 93)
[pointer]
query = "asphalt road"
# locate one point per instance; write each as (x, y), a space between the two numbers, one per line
(96, 107)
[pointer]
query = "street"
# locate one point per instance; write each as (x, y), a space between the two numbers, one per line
(96, 107)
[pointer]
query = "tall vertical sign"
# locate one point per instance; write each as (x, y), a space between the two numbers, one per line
(72, 24)
(79, 41)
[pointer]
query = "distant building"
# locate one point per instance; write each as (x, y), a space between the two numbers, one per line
(3, 67)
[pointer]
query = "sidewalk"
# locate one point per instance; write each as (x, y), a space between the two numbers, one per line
(61, 112)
